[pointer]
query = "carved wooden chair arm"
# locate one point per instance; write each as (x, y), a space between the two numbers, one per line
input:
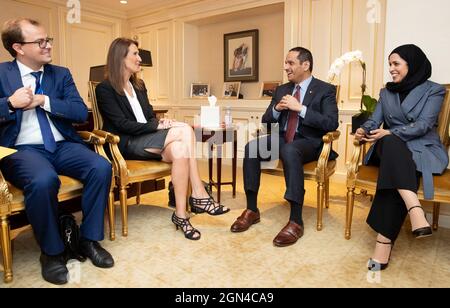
(119, 163)
(322, 162)
(5, 197)
(353, 164)
(92, 138)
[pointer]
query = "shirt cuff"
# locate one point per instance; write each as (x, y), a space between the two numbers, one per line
(276, 114)
(47, 106)
(302, 112)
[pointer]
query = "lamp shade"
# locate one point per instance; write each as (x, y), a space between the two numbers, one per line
(146, 57)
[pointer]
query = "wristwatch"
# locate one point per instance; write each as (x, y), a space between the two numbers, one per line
(10, 106)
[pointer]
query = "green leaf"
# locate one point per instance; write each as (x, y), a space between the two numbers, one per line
(369, 104)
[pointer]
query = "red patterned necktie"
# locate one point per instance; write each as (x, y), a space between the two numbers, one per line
(292, 119)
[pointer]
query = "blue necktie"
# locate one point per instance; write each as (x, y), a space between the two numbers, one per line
(44, 124)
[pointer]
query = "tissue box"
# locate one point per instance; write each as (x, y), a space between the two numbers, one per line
(210, 116)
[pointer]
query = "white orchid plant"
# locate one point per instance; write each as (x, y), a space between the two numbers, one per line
(335, 70)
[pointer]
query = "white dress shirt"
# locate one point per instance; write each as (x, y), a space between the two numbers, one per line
(135, 105)
(30, 131)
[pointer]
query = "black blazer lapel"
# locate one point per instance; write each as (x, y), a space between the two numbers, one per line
(284, 114)
(48, 80)
(123, 100)
(143, 101)
(310, 92)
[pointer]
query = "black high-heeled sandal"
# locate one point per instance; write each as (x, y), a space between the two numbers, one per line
(189, 231)
(375, 266)
(424, 231)
(208, 205)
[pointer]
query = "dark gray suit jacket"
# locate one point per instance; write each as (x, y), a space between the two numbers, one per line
(322, 114)
(415, 122)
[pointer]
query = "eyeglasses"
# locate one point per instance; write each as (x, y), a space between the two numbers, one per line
(42, 42)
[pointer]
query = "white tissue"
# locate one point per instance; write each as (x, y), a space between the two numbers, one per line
(212, 101)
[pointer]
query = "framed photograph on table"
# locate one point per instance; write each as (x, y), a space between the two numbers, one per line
(268, 88)
(231, 89)
(199, 90)
(241, 56)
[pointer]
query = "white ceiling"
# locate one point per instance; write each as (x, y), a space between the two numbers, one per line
(132, 4)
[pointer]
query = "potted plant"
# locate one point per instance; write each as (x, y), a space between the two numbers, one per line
(367, 103)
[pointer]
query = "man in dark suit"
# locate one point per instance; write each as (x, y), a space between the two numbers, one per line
(38, 103)
(305, 109)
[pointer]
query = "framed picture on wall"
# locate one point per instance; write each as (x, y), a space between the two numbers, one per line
(268, 88)
(199, 90)
(241, 56)
(231, 90)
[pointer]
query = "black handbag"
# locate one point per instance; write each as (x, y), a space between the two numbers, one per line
(70, 234)
(172, 203)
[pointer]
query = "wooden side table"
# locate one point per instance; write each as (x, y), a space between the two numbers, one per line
(217, 137)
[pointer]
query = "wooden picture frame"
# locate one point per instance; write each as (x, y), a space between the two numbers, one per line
(268, 88)
(241, 56)
(200, 90)
(231, 90)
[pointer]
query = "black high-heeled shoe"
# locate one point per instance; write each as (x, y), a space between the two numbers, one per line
(424, 231)
(208, 205)
(189, 231)
(375, 266)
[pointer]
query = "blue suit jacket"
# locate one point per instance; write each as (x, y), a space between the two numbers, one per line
(414, 121)
(66, 104)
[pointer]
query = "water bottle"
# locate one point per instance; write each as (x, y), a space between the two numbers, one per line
(228, 117)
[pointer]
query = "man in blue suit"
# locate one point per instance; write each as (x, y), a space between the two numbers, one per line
(38, 103)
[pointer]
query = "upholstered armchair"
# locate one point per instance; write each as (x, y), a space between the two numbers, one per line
(364, 178)
(126, 172)
(12, 203)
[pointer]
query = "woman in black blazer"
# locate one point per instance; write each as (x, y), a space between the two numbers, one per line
(126, 111)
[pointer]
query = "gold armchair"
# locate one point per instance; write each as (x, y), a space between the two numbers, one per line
(12, 203)
(365, 177)
(319, 171)
(126, 172)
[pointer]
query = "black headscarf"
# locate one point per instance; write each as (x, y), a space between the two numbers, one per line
(419, 70)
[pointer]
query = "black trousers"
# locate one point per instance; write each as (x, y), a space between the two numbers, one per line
(397, 170)
(294, 155)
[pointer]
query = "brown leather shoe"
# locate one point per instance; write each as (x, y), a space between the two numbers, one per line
(243, 222)
(288, 235)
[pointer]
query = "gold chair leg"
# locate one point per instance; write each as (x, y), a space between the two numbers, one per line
(111, 216)
(124, 208)
(349, 211)
(138, 193)
(436, 210)
(6, 250)
(327, 193)
(320, 202)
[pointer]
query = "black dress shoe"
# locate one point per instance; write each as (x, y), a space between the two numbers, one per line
(54, 269)
(98, 255)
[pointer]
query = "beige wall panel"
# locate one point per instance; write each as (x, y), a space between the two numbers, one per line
(320, 35)
(210, 51)
(163, 62)
(87, 45)
(157, 39)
